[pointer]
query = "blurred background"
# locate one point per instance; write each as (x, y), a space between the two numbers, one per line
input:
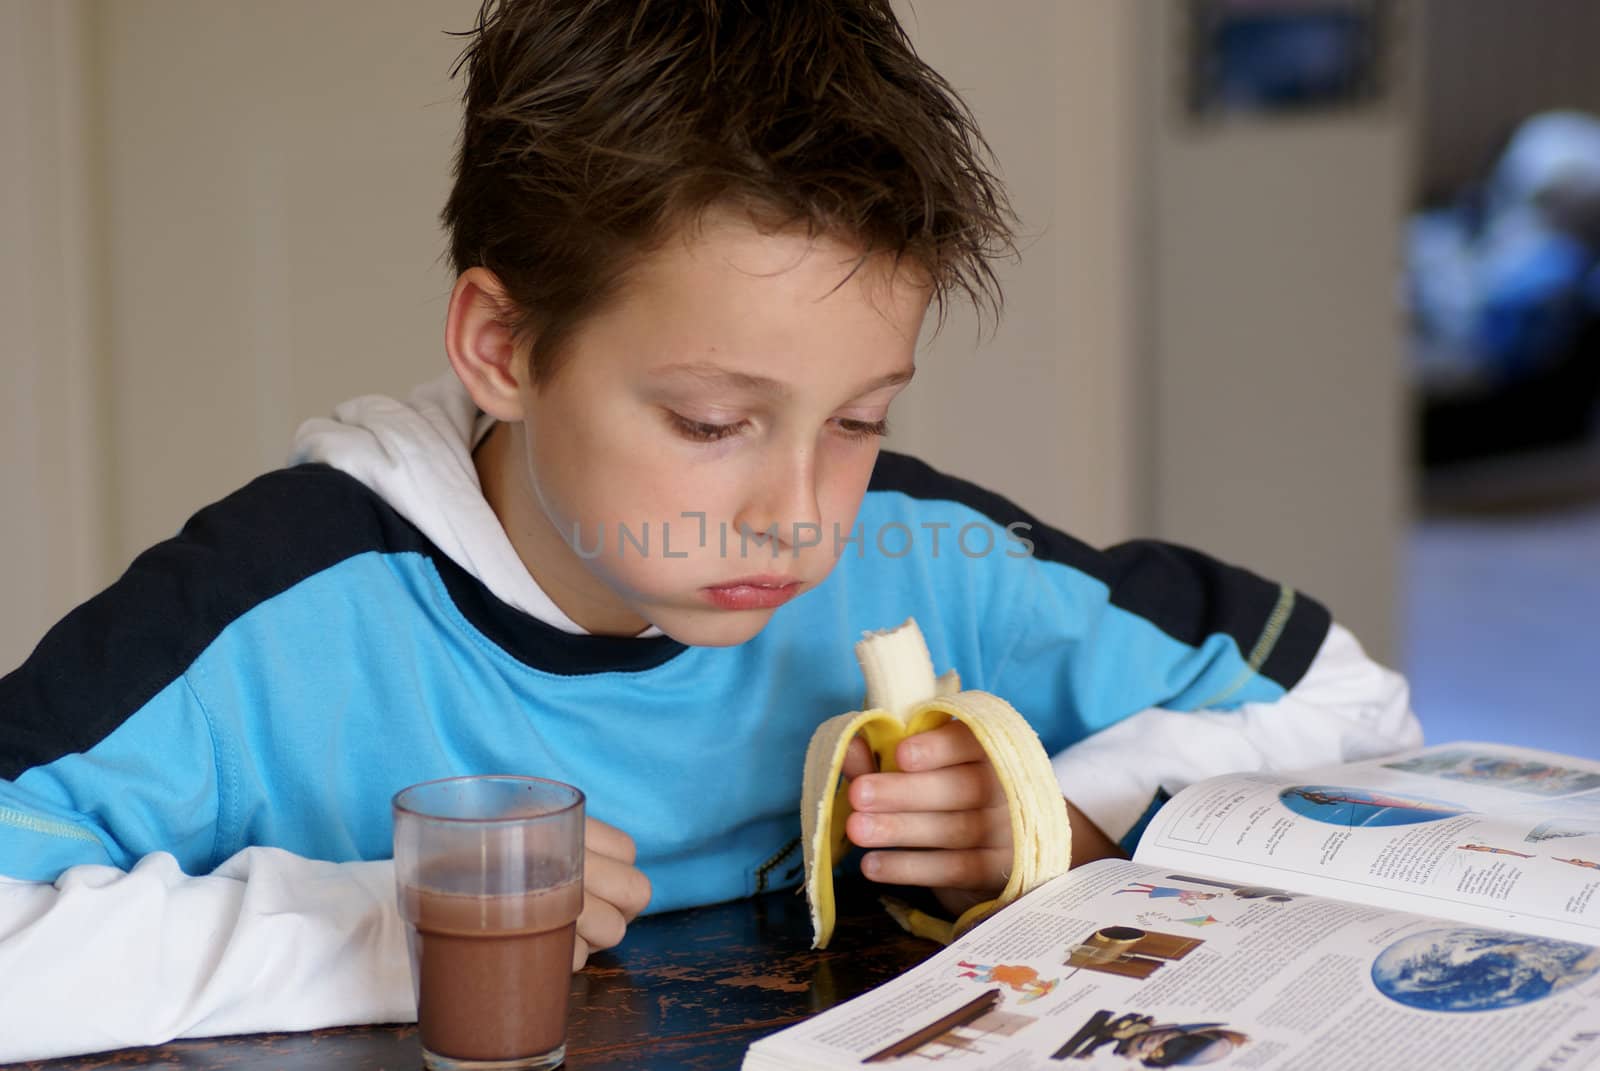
(1308, 284)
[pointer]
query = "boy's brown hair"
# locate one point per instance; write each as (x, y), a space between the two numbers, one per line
(596, 129)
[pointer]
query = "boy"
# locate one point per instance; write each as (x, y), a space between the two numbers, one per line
(627, 543)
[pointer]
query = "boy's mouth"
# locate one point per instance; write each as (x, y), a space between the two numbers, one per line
(752, 592)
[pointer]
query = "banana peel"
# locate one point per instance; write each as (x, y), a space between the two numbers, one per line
(904, 697)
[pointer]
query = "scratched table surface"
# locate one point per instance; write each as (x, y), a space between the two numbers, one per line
(687, 989)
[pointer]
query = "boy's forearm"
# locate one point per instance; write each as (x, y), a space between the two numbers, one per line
(1089, 841)
(268, 941)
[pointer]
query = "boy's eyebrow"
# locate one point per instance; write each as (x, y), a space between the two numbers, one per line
(712, 373)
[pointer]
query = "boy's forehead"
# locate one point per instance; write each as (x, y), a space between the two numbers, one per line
(727, 244)
(728, 306)
(714, 375)
(727, 241)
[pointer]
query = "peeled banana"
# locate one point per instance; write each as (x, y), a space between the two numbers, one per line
(903, 698)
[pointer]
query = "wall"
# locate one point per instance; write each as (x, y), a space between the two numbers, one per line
(1043, 410)
(1276, 357)
(53, 545)
(273, 176)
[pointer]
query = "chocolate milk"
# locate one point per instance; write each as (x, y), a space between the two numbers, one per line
(492, 972)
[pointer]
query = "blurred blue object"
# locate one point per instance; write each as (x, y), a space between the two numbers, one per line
(1531, 298)
(1503, 288)
(1499, 287)
(1553, 158)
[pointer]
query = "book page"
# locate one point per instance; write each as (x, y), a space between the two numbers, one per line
(1480, 833)
(1113, 966)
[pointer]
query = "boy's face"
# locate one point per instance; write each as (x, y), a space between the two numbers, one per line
(729, 382)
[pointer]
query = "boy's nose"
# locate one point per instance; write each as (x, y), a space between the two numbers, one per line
(783, 503)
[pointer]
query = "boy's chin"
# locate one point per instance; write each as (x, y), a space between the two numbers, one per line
(713, 628)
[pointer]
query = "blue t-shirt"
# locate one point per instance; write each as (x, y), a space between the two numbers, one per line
(300, 652)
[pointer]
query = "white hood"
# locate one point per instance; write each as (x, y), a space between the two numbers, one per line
(417, 456)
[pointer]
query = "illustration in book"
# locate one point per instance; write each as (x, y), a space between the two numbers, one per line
(1139, 1037)
(1021, 978)
(1243, 892)
(1491, 849)
(1469, 969)
(961, 1031)
(1501, 771)
(1170, 892)
(1129, 951)
(1559, 828)
(1202, 920)
(1340, 805)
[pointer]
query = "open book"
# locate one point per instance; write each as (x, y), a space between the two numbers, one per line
(1439, 908)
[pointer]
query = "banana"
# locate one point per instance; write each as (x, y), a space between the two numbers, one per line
(904, 697)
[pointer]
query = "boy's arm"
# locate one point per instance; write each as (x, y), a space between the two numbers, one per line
(1143, 667)
(112, 796)
(150, 784)
(269, 941)
(110, 803)
(1345, 708)
(1149, 666)
(106, 751)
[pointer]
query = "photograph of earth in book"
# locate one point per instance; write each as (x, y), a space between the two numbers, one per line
(1469, 969)
(1344, 806)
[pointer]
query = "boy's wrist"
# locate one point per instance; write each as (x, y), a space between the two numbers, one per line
(1089, 841)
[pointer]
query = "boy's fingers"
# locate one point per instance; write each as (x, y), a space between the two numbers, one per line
(979, 869)
(948, 745)
(858, 759)
(580, 953)
(601, 925)
(988, 828)
(608, 840)
(616, 883)
(968, 787)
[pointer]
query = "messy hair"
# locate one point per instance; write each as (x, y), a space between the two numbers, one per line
(594, 130)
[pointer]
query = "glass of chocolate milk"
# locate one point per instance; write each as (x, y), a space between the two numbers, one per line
(489, 871)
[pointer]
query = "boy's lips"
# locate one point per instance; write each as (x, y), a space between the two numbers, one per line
(753, 592)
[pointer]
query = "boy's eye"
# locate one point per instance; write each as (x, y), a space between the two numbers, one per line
(864, 429)
(700, 431)
(703, 432)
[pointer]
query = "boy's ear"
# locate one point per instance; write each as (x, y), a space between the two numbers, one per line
(479, 344)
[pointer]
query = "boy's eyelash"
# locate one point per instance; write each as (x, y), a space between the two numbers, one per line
(865, 429)
(703, 432)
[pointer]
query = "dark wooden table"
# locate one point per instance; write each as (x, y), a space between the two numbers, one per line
(688, 989)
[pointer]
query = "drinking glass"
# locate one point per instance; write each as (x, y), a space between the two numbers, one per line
(489, 875)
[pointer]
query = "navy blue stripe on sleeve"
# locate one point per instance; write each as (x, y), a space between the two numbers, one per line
(1187, 594)
(109, 657)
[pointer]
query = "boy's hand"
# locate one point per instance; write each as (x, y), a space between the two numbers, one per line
(614, 890)
(947, 797)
